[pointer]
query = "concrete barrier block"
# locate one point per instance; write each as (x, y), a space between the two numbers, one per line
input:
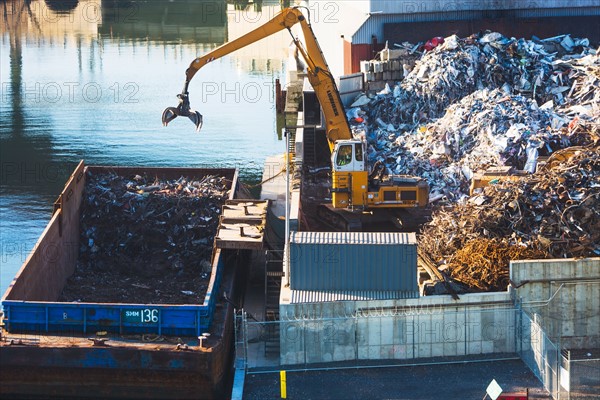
(291, 358)
(365, 66)
(387, 330)
(326, 357)
(384, 55)
(423, 350)
(473, 326)
(437, 349)
(374, 352)
(386, 352)
(403, 352)
(362, 331)
(344, 353)
(487, 347)
(403, 331)
(342, 333)
(451, 349)
(363, 352)
(474, 347)
(374, 332)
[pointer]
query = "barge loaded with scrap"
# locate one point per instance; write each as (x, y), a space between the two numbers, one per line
(126, 293)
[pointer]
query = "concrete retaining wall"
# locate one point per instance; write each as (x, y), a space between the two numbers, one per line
(565, 295)
(405, 329)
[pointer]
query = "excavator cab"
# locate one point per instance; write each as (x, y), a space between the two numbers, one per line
(348, 155)
(182, 110)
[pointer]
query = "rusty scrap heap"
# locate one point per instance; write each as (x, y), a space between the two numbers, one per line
(145, 240)
(491, 101)
(554, 213)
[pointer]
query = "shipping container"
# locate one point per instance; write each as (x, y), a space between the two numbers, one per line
(353, 261)
(30, 303)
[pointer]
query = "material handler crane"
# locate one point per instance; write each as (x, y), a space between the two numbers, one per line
(354, 190)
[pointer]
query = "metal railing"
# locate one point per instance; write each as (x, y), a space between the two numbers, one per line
(418, 337)
(581, 372)
(538, 352)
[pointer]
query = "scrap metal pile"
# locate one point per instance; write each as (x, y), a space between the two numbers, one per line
(554, 213)
(145, 240)
(488, 101)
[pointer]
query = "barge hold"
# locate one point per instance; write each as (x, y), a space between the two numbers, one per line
(59, 349)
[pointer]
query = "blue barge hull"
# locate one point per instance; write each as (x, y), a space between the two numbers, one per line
(112, 350)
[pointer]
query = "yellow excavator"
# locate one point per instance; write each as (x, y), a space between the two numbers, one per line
(354, 190)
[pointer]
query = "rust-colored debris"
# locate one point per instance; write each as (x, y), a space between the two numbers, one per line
(554, 213)
(482, 264)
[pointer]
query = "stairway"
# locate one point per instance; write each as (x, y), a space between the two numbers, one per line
(273, 275)
(309, 157)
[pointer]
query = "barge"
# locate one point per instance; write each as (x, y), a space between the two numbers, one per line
(114, 350)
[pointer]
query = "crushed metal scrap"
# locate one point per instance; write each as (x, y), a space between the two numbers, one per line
(145, 240)
(554, 213)
(479, 102)
(491, 101)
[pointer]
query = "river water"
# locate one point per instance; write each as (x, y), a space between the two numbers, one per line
(88, 80)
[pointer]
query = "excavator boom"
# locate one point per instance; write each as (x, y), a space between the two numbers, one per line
(351, 186)
(318, 72)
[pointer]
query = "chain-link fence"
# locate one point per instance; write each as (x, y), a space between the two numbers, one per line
(581, 370)
(539, 353)
(411, 337)
(416, 337)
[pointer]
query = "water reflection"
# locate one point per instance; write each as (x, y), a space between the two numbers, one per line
(22, 155)
(62, 6)
(89, 80)
(200, 21)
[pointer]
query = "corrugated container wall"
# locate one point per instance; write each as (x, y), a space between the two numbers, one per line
(353, 261)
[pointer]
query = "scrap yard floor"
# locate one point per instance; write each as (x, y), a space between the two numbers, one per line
(422, 382)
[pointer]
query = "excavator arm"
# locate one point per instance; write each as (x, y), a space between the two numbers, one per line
(318, 72)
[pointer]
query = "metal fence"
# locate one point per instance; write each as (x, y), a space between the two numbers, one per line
(539, 353)
(418, 337)
(565, 374)
(414, 337)
(581, 372)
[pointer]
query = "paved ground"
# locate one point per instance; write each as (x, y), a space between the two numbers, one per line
(435, 382)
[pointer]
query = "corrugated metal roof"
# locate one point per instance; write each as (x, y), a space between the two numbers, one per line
(372, 238)
(437, 6)
(309, 296)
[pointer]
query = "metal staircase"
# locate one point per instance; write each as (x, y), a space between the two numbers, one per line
(273, 276)
(309, 156)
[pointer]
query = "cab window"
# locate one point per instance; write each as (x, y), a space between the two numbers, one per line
(344, 156)
(358, 153)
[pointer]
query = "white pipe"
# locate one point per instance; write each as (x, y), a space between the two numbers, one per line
(287, 204)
